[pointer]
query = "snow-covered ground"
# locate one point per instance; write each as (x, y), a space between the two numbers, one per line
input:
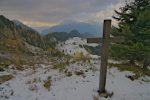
(71, 46)
(28, 84)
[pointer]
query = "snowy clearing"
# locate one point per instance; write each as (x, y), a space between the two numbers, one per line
(28, 84)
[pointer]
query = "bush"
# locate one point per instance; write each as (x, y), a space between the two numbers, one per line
(80, 46)
(5, 78)
(139, 72)
(74, 43)
(6, 63)
(68, 74)
(1, 69)
(79, 72)
(79, 56)
(60, 66)
(47, 83)
(93, 50)
(56, 53)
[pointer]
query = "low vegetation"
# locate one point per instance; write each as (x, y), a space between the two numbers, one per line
(63, 62)
(96, 97)
(55, 52)
(60, 66)
(47, 83)
(5, 78)
(93, 50)
(69, 74)
(138, 71)
(79, 56)
(79, 73)
(5, 62)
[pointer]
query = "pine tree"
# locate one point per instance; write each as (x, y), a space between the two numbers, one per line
(134, 26)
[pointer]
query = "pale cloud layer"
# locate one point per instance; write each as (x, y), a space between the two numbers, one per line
(51, 12)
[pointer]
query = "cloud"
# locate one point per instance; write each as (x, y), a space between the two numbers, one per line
(51, 12)
(38, 23)
(109, 12)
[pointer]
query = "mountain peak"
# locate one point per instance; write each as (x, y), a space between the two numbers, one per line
(82, 27)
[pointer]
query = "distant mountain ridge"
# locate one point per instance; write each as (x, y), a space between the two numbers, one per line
(93, 28)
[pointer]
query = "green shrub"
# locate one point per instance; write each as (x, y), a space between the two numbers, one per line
(79, 56)
(68, 74)
(73, 61)
(81, 46)
(5, 78)
(79, 73)
(60, 66)
(6, 63)
(47, 83)
(74, 43)
(139, 72)
(1, 69)
(93, 50)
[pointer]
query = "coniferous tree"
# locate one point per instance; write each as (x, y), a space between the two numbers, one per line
(134, 26)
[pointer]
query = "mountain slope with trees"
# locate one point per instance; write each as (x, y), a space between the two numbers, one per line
(9, 30)
(18, 23)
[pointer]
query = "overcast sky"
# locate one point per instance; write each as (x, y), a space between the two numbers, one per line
(37, 13)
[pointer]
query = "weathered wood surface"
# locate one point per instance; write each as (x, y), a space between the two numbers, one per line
(100, 40)
(105, 40)
(104, 55)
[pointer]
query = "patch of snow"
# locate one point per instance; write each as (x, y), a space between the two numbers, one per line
(73, 45)
(28, 84)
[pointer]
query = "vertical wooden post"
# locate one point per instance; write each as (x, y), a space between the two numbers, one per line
(104, 55)
(104, 52)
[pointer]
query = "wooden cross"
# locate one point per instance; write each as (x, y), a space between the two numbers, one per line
(104, 53)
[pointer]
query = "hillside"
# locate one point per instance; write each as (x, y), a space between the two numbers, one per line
(17, 39)
(78, 45)
(12, 31)
(18, 23)
(10, 36)
(18, 45)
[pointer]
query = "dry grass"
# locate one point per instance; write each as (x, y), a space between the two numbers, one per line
(47, 83)
(5, 78)
(137, 70)
(96, 97)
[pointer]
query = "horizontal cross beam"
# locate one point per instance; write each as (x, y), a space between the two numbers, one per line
(100, 40)
(94, 40)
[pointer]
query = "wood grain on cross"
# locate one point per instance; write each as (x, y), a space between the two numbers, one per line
(104, 53)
